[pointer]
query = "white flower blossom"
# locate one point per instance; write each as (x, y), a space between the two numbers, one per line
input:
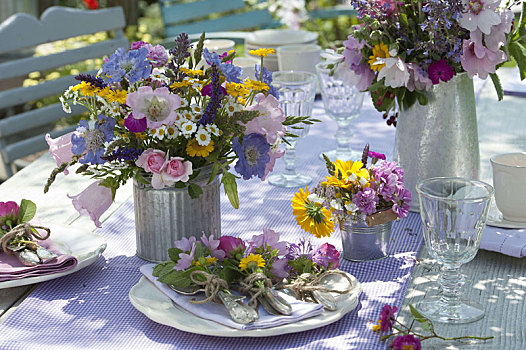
(395, 72)
(480, 14)
(202, 137)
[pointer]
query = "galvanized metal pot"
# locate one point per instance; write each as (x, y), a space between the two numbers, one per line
(363, 243)
(164, 216)
(440, 138)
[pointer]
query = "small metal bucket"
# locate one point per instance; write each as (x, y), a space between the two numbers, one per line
(363, 243)
(166, 215)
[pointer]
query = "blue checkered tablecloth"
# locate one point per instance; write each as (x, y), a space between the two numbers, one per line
(90, 309)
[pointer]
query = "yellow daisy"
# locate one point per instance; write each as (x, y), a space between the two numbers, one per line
(263, 52)
(351, 172)
(195, 150)
(236, 89)
(256, 85)
(85, 88)
(179, 84)
(253, 261)
(376, 327)
(210, 260)
(117, 96)
(312, 217)
(379, 51)
(191, 72)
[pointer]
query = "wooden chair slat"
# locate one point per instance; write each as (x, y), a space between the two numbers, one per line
(181, 12)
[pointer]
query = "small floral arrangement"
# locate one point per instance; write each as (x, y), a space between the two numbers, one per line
(260, 262)
(352, 191)
(403, 48)
(157, 119)
(404, 337)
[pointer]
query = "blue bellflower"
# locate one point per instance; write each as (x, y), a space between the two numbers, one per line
(253, 155)
(91, 141)
(132, 65)
(232, 73)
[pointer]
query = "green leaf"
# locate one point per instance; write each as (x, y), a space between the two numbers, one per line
(112, 184)
(27, 211)
(229, 183)
(140, 179)
(403, 20)
(498, 86)
(199, 49)
(213, 173)
(519, 54)
(415, 312)
(422, 98)
(427, 326)
(173, 253)
(163, 268)
(180, 184)
(177, 278)
(194, 191)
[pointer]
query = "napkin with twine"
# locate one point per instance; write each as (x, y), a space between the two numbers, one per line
(217, 312)
(12, 269)
(508, 241)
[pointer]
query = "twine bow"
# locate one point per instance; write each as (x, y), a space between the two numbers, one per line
(308, 282)
(20, 231)
(248, 287)
(211, 283)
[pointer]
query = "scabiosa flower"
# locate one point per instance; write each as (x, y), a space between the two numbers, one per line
(266, 77)
(253, 155)
(91, 141)
(157, 106)
(232, 73)
(406, 342)
(131, 65)
(440, 70)
(366, 201)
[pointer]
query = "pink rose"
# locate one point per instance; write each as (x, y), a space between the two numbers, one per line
(178, 169)
(93, 201)
(151, 160)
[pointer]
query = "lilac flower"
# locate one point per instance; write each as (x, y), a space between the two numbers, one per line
(92, 140)
(440, 70)
(231, 245)
(131, 65)
(387, 317)
(185, 244)
(329, 253)
(279, 268)
(366, 201)
(253, 155)
(213, 246)
(266, 77)
(406, 342)
(135, 125)
(403, 202)
(269, 239)
(185, 259)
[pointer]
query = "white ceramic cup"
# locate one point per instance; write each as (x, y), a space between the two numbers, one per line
(299, 57)
(249, 66)
(509, 181)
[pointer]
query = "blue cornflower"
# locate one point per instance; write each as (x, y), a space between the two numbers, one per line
(132, 65)
(253, 155)
(232, 73)
(266, 77)
(91, 141)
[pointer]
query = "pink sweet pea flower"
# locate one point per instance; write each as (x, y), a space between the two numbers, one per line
(270, 121)
(480, 14)
(213, 245)
(479, 60)
(60, 149)
(278, 153)
(279, 268)
(93, 201)
(157, 106)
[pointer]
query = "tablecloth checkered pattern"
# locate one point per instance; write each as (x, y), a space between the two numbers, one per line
(90, 308)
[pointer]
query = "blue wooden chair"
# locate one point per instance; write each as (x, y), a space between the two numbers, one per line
(22, 32)
(225, 18)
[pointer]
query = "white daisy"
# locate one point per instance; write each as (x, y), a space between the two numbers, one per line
(187, 115)
(231, 107)
(202, 137)
(196, 109)
(172, 132)
(184, 103)
(188, 128)
(213, 129)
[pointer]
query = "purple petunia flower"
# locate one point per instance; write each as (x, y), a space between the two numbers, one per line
(213, 246)
(270, 239)
(366, 201)
(92, 140)
(135, 125)
(132, 65)
(440, 70)
(185, 244)
(279, 268)
(253, 155)
(405, 342)
(387, 317)
(330, 253)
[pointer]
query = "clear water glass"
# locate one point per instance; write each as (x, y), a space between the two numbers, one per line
(342, 102)
(454, 212)
(296, 96)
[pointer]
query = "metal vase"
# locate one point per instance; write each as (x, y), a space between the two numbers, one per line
(363, 243)
(440, 138)
(166, 215)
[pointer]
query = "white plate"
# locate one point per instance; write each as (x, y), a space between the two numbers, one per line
(86, 246)
(149, 300)
(277, 37)
(495, 219)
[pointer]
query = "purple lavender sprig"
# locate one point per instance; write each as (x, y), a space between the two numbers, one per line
(123, 154)
(93, 81)
(179, 53)
(215, 101)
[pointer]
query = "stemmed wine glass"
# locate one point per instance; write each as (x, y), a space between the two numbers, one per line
(296, 96)
(454, 212)
(342, 102)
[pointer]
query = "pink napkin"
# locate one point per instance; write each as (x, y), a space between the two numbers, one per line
(12, 269)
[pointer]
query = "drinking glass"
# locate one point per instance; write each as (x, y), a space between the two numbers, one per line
(453, 212)
(296, 96)
(342, 102)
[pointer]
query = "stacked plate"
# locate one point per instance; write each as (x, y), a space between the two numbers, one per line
(274, 38)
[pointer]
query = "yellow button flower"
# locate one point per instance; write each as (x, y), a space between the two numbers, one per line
(253, 261)
(379, 51)
(263, 52)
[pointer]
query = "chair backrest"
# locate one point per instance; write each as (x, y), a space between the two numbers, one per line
(21, 32)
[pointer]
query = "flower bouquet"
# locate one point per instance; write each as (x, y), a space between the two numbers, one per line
(402, 48)
(352, 191)
(155, 118)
